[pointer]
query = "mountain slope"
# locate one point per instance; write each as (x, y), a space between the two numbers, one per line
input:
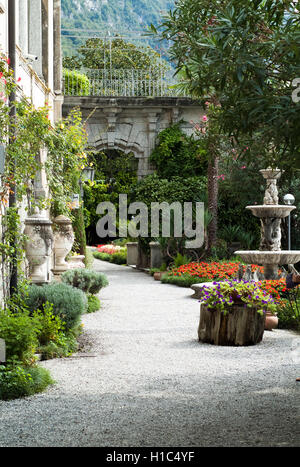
(81, 18)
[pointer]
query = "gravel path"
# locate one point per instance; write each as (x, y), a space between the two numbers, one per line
(145, 380)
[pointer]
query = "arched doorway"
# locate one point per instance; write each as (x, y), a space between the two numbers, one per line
(116, 172)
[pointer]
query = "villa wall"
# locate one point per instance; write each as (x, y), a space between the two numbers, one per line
(39, 80)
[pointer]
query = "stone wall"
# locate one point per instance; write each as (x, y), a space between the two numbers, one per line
(131, 124)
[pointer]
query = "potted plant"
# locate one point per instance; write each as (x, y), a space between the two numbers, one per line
(234, 312)
(159, 273)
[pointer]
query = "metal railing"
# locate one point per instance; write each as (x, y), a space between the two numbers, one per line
(124, 83)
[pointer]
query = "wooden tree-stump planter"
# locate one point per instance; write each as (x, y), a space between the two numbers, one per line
(239, 326)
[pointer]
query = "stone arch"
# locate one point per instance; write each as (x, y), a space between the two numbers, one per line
(126, 147)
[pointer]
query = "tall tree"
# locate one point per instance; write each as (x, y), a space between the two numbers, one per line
(247, 54)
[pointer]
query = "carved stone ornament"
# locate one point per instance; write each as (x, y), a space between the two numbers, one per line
(38, 246)
(63, 241)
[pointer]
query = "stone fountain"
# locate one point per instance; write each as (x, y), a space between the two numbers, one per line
(271, 213)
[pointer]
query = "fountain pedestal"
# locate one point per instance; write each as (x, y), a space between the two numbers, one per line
(270, 255)
(271, 213)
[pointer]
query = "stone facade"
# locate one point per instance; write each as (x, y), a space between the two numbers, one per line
(131, 124)
(38, 67)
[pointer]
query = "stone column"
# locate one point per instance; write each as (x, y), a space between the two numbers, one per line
(155, 255)
(35, 39)
(47, 41)
(132, 253)
(23, 26)
(57, 60)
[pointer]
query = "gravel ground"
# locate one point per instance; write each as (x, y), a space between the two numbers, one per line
(143, 379)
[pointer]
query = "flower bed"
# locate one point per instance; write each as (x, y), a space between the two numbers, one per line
(112, 253)
(193, 273)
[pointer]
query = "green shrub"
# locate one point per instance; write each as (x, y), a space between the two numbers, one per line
(180, 260)
(87, 280)
(116, 258)
(20, 333)
(181, 281)
(89, 258)
(287, 317)
(50, 325)
(76, 84)
(17, 381)
(101, 256)
(93, 304)
(68, 302)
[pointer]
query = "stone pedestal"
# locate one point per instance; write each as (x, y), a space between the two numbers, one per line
(155, 255)
(2, 351)
(132, 253)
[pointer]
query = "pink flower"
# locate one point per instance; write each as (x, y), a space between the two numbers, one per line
(243, 167)
(204, 118)
(207, 104)
(19, 79)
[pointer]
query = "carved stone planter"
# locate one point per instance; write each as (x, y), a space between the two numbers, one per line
(38, 247)
(240, 326)
(76, 262)
(63, 242)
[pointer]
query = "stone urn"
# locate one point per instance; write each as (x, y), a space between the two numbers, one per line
(76, 261)
(38, 246)
(63, 241)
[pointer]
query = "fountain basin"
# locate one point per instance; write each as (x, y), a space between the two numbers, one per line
(271, 211)
(270, 260)
(269, 257)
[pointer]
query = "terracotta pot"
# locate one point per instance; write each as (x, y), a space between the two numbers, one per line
(157, 275)
(271, 321)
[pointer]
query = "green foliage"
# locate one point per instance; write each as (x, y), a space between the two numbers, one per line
(249, 294)
(117, 54)
(129, 18)
(154, 189)
(245, 54)
(68, 302)
(50, 326)
(75, 83)
(20, 333)
(115, 173)
(185, 280)
(17, 381)
(178, 155)
(93, 303)
(180, 260)
(87, 280)
(288, 317)
(117, 258)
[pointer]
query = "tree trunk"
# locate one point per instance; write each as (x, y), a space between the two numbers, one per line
(239, 326)
(213, 190)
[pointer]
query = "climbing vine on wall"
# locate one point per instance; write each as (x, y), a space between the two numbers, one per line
(23, 136)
